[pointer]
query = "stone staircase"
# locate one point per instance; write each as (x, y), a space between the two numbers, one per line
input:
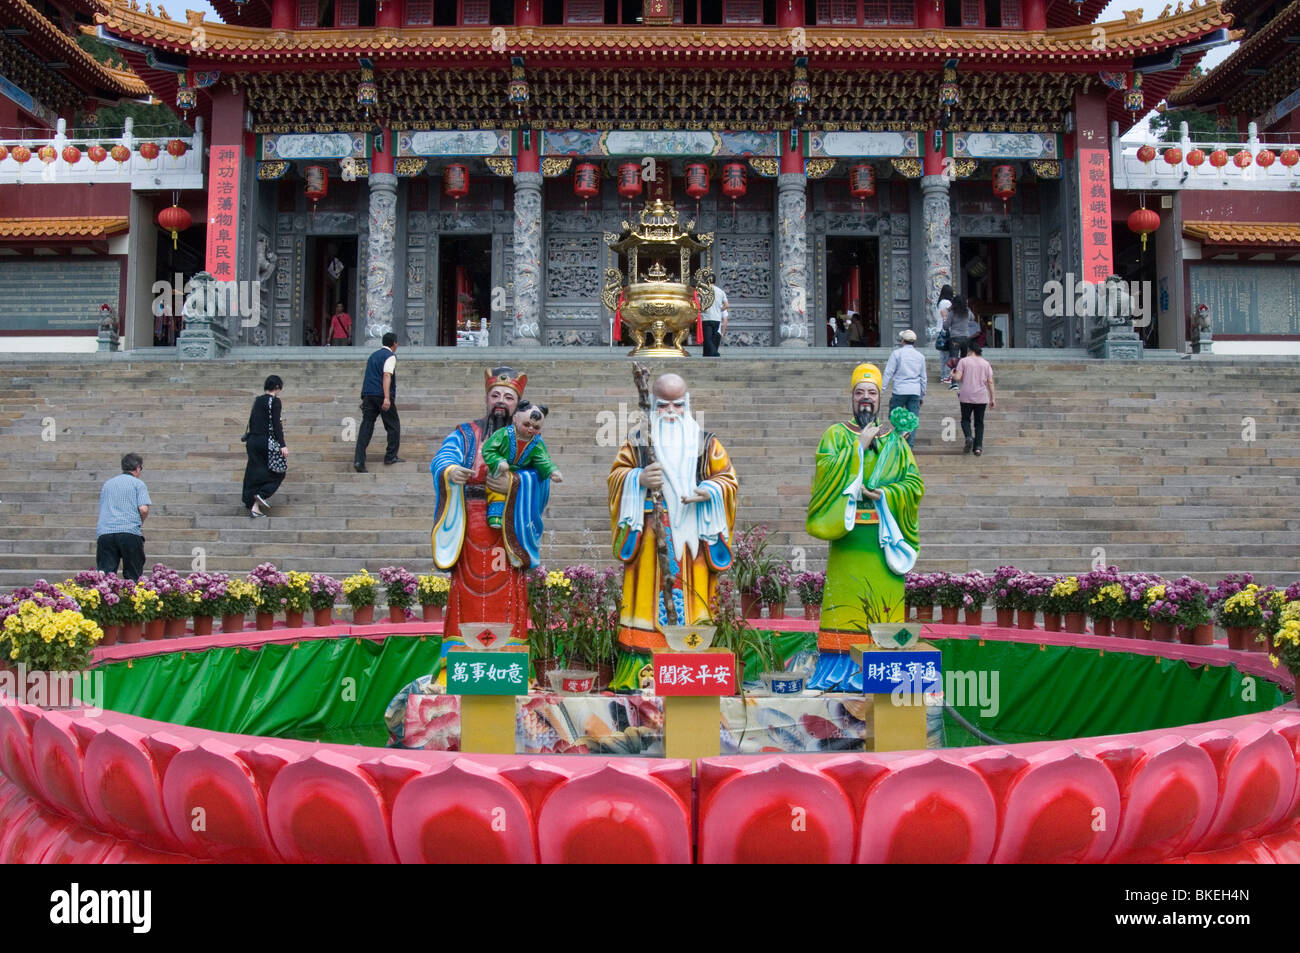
(1145, 464)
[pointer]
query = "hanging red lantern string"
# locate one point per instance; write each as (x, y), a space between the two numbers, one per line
(697, 183)
(149, 150)
(1218, 158)
(120, 154)
(71, 155)
(318, 184)
(1242, 159)
(1173, 155)
(455, 182)
(1143, 222)
(177, 148)
(862, 184)
(586, 182)
(1196, 158)
(97, 154)
(1265, 158)
(1288, 158)
(629, 183)
(1004, 184)
(735, 184)
(1146, 153)
(47, 154)
(175, 220)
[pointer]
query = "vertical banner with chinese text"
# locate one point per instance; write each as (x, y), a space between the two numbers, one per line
(1094, 203)
(223, 212)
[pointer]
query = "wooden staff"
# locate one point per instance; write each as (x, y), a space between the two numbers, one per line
(660, 524)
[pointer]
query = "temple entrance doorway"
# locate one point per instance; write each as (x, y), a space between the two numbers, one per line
(987, 284)
(852, 292)
(464, 288)
(331, 280)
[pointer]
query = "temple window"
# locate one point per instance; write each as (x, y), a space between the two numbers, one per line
(419, 12)
(864, 13)
(335, 14)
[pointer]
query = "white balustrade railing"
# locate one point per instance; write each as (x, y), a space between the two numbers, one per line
(163, 171)
(1129, 171)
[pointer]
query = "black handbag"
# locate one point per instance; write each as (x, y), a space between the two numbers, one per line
(941, 342)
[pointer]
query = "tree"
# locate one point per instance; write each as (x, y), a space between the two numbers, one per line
(1164, 125)
(152, 120)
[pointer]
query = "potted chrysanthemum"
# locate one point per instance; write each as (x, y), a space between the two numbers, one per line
(240, 599)
(812, 588)
(1286, 641)
(1161, 601)
(174, 591)
(401, 586)
(324, 593)
(361, 589)
(272, 593)
(1240, 614)
(1004, 596)
(546, 636)
(1195, 620)
(432, 590)
(208, 590)
(45, 632)
(976, 588)
(1070, 598)
(297, 598)
(918, 593)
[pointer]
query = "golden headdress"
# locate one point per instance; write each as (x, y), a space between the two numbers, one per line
(505, 377)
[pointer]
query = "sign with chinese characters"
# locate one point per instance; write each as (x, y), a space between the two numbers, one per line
(487, 673)
(695, 673)
(913, 672)
(1005, 145)
(888, 145)
(1094, 205)
(223, 212)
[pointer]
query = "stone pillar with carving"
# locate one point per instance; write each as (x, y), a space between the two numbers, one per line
(936, 230)
(381, 254)
(792, 259)
(528, 259)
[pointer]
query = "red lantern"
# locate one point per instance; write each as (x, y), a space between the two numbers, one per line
(1004, 184)
(1265, 158)
(21, 154)
(1242, 159)
(120, 153)
(1174, 155)
(1143, 221)
(1196, 158)
(46, 154)
(1288, 158)
(97, 154)
(176, 148)
(4, 153)
(697, 180)
(734, 181)
(1218, 158)
(318, 184)
(629, 180)
(71, 155)
(862, 182)
(455, 182)
(175, 220)
(149, 150)
(1146, 153)
(586, 182)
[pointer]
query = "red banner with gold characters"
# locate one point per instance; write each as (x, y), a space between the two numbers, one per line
(223, 212)
(1094, 203)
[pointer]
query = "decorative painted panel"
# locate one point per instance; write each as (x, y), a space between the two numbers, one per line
(887, 145)
(668, 142)
(573, 266)
(744, 266)
(469, 142)
(1006, 145)
(324, 145)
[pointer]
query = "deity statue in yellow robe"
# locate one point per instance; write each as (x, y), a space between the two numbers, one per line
(694, 475)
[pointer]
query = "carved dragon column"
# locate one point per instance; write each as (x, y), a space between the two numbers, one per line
(936, 223)
(381, 253)
(528, 259)
(792, 259)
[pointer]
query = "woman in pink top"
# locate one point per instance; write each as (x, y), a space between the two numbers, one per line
(975, 377)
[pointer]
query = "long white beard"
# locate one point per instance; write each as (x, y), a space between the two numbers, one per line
(677, 448)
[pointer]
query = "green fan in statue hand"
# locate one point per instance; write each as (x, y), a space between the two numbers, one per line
(865, 497)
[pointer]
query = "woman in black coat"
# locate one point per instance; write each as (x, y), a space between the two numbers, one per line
(260, 481)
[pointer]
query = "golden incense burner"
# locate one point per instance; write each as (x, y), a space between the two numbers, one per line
(659, 291)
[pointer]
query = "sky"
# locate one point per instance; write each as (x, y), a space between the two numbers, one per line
(1114, 11)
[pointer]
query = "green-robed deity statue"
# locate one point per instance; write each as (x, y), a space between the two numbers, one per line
(865, 497)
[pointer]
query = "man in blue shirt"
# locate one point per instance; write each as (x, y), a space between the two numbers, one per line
(906, 370)
(379, 399)
(123, 506)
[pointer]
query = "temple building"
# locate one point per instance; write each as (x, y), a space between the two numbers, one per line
(450, 171)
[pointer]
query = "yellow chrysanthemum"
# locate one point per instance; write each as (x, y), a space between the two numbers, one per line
(1066, 587)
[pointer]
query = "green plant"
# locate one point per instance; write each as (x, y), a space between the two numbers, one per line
(298, 592)
(48, 638)
(1066, 595)
(546, 590)
(433, 590)
(360, 589)
(241, 597)
(1241, 611)
(750, 560)
(733, 632)
(589, 614)
(146, 605)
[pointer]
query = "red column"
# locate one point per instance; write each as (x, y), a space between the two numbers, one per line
(791, 159)
(929, 14)
(528, 12)
(283, 14)
(382, 162)
(1035, 14)
(529, 160)
(932, 161)
(790, 14)
(392, 15)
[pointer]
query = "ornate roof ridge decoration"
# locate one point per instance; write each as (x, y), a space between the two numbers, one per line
(82, 226)
(1244, 233)
(119, 81)
(1124, 37)
(1211, 83)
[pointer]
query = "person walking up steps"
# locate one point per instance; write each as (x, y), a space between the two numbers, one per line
(379, 399)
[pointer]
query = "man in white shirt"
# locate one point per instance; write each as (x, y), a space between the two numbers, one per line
(906, 370)
(715, 322)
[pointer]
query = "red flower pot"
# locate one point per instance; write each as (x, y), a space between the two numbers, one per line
(812, 612)
(1122, 628)
(396, 615)
(111, 634)
(323, 616)
(265, 621)
(604, 675)
(1196, 635)
(203, 625)
(542, 667)
(232, 623)
(775, 611)
(1025, 619)
(974, 616)
(1101, 626)
(363, 615)
(293, 619)
(175, 628)
(431, 613)
(1006, 618)
(1051, 622)
(750, 607)
(1076, 623)
(948, 615)
(155, 630)
(1243, 640)
(131, 632)
(925, 613)
(1163, 631)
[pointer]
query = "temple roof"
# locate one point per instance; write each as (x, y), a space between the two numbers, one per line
(1244, 233)
(49, 42)
(1075, 45)
(93, 226)
(1258, 49)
